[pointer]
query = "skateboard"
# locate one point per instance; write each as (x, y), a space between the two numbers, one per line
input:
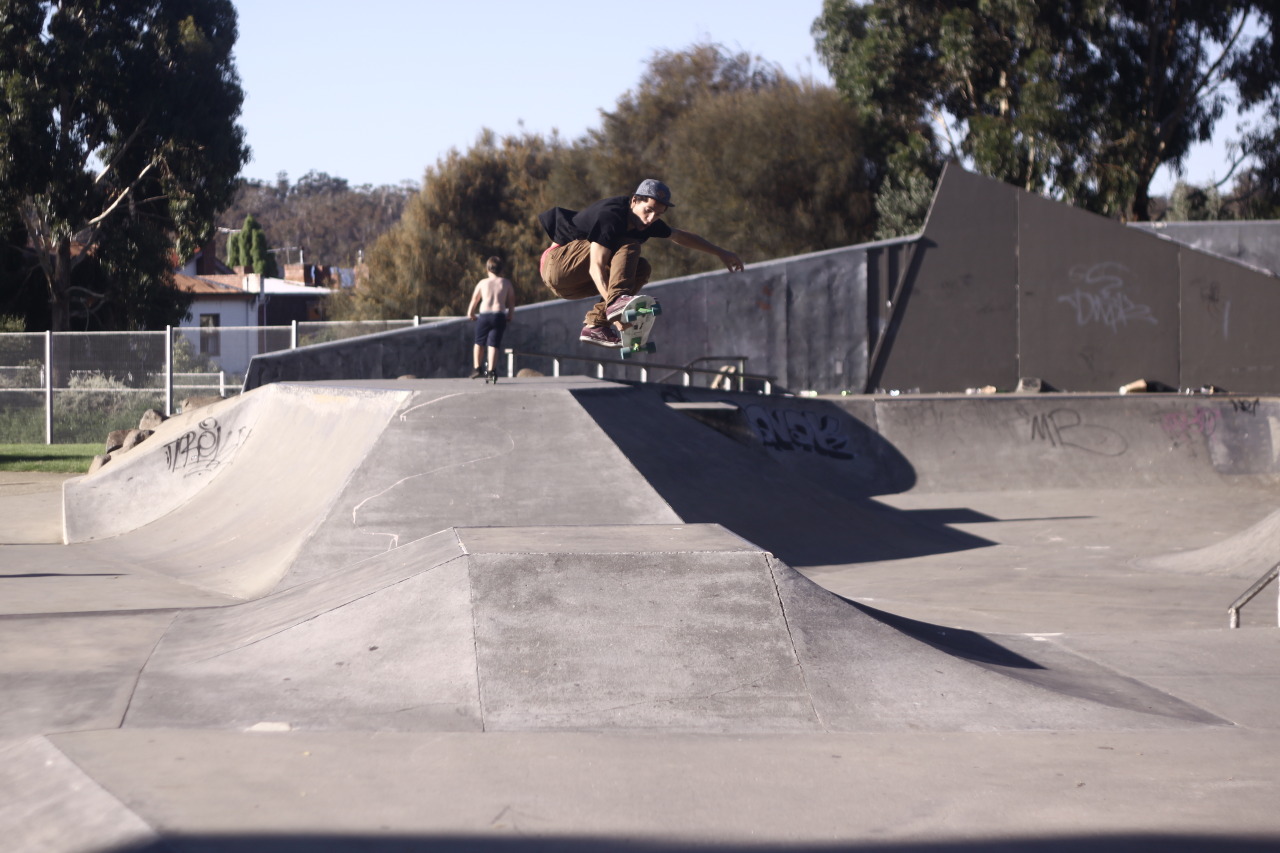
(640, 314)
(491, 377)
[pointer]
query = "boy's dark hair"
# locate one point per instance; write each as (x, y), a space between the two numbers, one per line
(494, 265)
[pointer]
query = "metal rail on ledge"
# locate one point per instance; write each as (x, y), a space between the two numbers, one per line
(686, 371)
(1233, 612)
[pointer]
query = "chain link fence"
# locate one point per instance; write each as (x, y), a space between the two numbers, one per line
(76, 387)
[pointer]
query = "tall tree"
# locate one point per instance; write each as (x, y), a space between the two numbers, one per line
(118, 129)
(763, 164)
(471, 206)
(633, 139)
(254, 249)
(1082, 99)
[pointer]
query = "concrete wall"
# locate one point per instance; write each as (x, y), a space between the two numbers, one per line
(1256, 242)
(801, 320)
(1008, 284)
(1001, 284)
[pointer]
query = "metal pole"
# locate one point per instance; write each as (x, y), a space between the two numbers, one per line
(511, 363)
(293, 335)
(168, 371)
(48, 387)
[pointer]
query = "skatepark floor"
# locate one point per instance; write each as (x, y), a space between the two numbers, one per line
(1063, 568)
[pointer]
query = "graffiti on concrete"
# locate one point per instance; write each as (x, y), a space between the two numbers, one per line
(1099, 297)
(1065, 428)
(800, 430)
(1217, 307)
(200, 449)
(1182, 425)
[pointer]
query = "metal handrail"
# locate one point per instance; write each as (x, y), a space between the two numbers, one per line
(1233, 612)
(644, 367)
(740, 359)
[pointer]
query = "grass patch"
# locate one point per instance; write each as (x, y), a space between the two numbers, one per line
(48, 458)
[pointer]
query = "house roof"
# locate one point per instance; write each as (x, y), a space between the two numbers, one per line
(207, 287)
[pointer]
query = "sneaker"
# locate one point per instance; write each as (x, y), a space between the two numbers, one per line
(601, 336)
(617, 306)
(476, 373)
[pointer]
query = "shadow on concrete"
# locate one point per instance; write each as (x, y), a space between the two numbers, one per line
(959, 642)
(709, 477)
(835, 446)
(1138, 843)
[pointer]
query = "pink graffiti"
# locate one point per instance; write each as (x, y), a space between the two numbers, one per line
(1183, 425)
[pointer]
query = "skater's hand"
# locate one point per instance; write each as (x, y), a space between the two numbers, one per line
(731, 261)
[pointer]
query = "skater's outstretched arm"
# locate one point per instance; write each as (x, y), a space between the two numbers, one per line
(689, 240)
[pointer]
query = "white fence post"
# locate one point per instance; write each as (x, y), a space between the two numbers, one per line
(168, 371)
(48, 387)
(293, 335)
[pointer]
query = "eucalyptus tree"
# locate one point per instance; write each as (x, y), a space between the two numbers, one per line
(119, 140)
(1084, 100)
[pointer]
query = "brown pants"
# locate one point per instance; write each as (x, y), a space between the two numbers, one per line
(567, 271)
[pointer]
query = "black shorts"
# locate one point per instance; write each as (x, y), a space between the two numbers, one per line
(489, 328)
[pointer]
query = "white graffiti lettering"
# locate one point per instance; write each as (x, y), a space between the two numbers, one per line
(1098, 297)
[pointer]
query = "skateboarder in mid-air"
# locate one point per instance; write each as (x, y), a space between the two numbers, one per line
(596, 252)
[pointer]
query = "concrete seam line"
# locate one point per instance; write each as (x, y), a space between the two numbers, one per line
(137, 678)
(770, 562)
(475, 645)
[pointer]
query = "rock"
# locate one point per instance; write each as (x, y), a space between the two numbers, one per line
(98, 461)
(407, 376)
(192, 403)
(151, 419)
(526, 372)
(115, 439)
(134, 438)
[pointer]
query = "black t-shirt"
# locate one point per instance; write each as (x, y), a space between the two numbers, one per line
(607, 222)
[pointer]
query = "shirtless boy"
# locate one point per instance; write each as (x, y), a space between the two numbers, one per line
(596, 252)
(493, 306)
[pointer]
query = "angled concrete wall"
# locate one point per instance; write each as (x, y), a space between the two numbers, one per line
(1253, 242)
(1007, 284)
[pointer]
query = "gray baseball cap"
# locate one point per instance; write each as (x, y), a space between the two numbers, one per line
(656, 190)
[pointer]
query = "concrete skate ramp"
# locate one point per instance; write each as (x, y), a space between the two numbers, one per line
(866, 446)
(1052, 441)
(1246, 555)
(671, 627)
(775, 501)
(223, 498)
(462, 453)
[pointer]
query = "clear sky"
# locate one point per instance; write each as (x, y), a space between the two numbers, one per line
(375, 91)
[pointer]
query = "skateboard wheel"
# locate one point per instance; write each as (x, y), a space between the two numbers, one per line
(650, 347)
(630, 315)
(656, 309)
(626, 353)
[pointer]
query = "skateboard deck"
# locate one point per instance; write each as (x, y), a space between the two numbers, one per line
(639, 317)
